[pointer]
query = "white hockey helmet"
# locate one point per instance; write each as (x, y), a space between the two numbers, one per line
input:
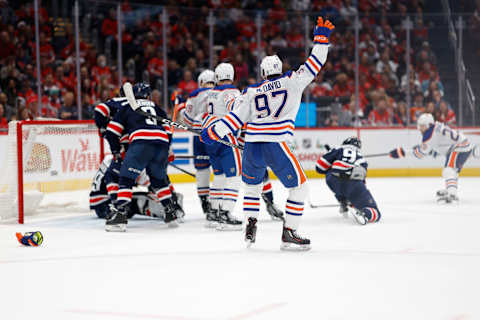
(205, 77)
(224, 71)
(270, 65)
(424, 121)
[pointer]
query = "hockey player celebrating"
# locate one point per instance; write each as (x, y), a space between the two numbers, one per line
(345, 170)
(195, 108)
(269, 108)
(149, 144)
(225, 161)
(440, 139)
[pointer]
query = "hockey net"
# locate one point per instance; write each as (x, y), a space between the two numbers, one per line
(45, 156)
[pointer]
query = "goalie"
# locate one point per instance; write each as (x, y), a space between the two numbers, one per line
(144, 202)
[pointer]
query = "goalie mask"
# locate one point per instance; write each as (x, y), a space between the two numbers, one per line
(224, 71)
(271, 65)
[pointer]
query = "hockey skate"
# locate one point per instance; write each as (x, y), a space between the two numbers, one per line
(227, 222)
(177, 203)
(291, 241)
(343, 209)
(206, 206)
(251, 231)
(212, 219)
(444, 197)
(117, 221)
(170, 215)
(359, 217)
(275, 213)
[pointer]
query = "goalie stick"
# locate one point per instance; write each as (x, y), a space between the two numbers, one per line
(127, 89)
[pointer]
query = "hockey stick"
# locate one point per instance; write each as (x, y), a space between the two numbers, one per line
(127, 89)
(192, 157)
(314, 206)
(376, 155)
(181, 169)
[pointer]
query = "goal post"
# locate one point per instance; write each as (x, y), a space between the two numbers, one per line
(45, 156)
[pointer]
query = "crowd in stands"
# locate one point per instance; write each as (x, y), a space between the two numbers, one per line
(382, 45)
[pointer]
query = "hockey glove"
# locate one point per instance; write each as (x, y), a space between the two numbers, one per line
(397, 153)
(209, 135)
(117, 162)
(322, 31)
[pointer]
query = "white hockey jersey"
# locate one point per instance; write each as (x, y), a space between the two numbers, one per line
(270, 107)
(195, 108)
(443, 140)
(219, 102)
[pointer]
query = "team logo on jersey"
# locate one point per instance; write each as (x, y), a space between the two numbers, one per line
(232, 170)
(289, 177)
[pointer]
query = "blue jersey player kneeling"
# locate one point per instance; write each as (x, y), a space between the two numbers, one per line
(345, 171)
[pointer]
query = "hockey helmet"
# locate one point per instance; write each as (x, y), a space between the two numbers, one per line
(353, 141)
(271, 65)
(142, 90)
(425, 121)
(205, 77)
(224, 71)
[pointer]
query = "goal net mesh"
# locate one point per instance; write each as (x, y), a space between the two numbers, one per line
(55, 156)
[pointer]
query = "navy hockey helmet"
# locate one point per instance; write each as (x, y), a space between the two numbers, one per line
(354, 141)
(142, 90)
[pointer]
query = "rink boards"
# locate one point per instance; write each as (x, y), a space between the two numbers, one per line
(70, 164)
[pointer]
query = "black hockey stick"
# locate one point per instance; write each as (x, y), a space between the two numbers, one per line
(192, 157)
(181, 169)
(127, 89)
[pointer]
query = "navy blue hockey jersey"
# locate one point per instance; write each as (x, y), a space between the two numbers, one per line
(340, 161)
(105, 111)
(137, 126)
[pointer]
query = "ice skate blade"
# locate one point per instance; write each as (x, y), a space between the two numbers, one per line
(172, 224)
(211, 224)
(361, 220)
(116, 228)
(249, 243)
(228, 227)
(288, 246)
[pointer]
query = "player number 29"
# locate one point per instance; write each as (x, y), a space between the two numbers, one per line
(263, 107)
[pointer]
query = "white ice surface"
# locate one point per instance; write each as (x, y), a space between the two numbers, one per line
(422, 261)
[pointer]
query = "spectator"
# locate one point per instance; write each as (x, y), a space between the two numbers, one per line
(241, 67)
(8, 109)
(24, 114)
(109, 24)
(101, 69)
(417, 107)
(68, 111)
(3, 117)
(187, 85)
(445, 114)
(380, 115)
(400, 115)
(385, 61)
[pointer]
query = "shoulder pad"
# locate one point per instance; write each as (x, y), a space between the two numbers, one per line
(197, 91)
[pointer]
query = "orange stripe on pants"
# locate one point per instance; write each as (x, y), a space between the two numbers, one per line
(453, 158)
(303, 178)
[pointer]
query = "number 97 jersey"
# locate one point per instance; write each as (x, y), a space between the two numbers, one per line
(270, 107)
